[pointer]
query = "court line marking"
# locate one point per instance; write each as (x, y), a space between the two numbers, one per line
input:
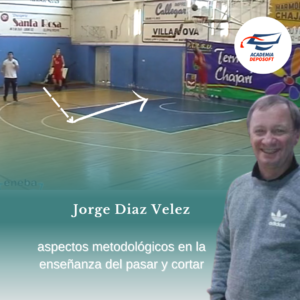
(207, 100)
(72, 121)
(144, 129)
(113, 147)
(77, 131)
(70, 90)
(208, 126)
(212, 125)
(114, 107)
(123, 124)
(98, 105)
(93, 105)
(90, 89)
(100, 119)
(190, 112)
(154, 130)
(162, 98)
(110, 121)
(118, 148)
(97, 88)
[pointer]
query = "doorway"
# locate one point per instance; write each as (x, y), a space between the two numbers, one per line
(102, 76)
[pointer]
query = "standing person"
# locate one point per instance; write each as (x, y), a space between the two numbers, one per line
(9, 68)
(258, 242)
(57, 63)
(200, 64)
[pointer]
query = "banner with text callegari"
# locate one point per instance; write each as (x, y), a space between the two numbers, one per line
(23, 24)
(227, 78)
(54, 3)
(165, 11)
(172, 11)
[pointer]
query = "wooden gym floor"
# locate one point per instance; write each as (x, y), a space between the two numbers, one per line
(40, 150)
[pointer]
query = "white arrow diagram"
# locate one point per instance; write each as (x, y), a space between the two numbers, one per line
(72, 121)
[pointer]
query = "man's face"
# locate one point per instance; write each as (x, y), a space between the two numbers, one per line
(57, 51)
(273, 137)
(10, 56)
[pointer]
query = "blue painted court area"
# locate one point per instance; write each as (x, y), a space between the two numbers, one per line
(169, 115)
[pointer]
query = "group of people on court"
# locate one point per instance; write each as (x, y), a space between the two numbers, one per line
(11, 66)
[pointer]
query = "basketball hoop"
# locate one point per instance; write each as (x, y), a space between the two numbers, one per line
(200, 19)
(207, 22)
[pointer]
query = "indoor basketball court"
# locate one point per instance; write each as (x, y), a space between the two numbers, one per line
(126, 167)
(177, 142)
(172, 144)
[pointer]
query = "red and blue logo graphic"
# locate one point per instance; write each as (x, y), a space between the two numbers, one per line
(263, 45)
(261, 42)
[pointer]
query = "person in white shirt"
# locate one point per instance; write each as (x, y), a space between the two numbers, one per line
(10, 67)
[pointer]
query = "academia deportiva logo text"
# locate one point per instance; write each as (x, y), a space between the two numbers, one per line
(263, 45)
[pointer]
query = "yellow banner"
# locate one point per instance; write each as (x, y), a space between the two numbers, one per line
(285, 11)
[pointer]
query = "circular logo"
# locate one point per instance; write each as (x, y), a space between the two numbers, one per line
(4, 17)
(263, 45)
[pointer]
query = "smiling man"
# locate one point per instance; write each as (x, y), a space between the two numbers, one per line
(258, 242)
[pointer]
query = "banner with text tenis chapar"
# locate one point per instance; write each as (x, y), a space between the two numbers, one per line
(227, 78)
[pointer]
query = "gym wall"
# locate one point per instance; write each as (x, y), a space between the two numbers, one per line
(137, 59)
(34, 48)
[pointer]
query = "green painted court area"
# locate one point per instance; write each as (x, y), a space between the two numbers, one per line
(109, 153)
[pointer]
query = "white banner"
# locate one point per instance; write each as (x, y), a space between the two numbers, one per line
(172, 33)
(21, 24)
(166, 11)
(83, 3)
(57, 3)
(295, 34)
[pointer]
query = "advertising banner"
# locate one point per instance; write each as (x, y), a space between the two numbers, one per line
(165, 11)
(54, 3)
(171, 33)
(23, 24)
(285, 11)
(227, 78)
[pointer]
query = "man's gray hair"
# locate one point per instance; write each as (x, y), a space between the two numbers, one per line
(268, 101)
